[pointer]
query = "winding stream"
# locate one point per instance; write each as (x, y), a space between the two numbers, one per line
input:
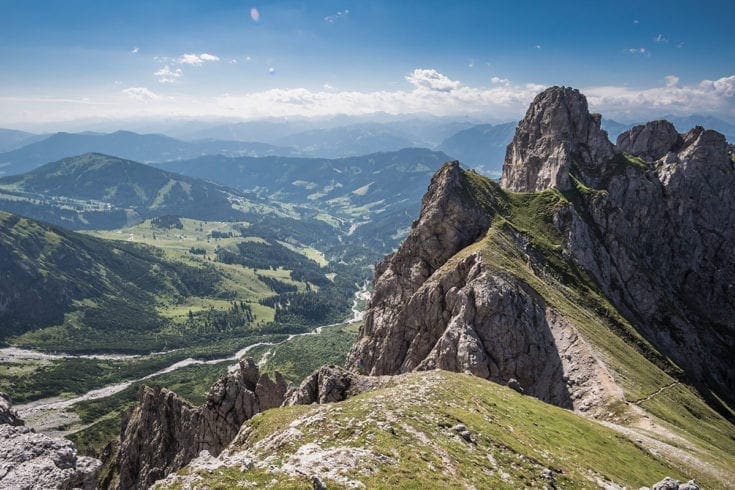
(48, 414)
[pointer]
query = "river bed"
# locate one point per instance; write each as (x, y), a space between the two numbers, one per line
(49, 414)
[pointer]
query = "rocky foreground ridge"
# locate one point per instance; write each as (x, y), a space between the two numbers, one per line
(165, 432)
(637, 240)
(31, 460)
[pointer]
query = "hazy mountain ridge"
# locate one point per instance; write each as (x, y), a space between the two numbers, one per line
(360, 191)
(100, 191)
(482, 146)
(10, 139)
(125, 144)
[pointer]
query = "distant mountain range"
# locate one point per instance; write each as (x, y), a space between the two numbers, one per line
(99, 191)
(125, 144)
(369, 199)
(481, 146)
(10, 139)
(380, 189)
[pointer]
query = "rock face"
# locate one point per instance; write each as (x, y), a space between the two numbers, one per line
(165, 432)
(656, 233)
(557, 135)
(32, 460)
(650, 141)
(669, 483)
(660, 240)
(330, 384)
(428, 312)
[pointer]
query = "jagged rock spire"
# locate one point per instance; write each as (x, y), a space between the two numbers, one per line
(649, 141)
(557, 135)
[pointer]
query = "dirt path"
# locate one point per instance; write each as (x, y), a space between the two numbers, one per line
(681, 458)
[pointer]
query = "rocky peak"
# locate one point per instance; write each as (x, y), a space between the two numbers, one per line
(32, 460)
(557, 135)
(164, 432)
(449, 221)
(649, 141)
(330, 384)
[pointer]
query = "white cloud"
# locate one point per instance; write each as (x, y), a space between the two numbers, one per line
(538, 46)
(708, 96)
(326, 86)
(140, 93)
(254, 14)
(341, 14)
(196, 59)
(671, 80)
(134, 50)
(429, 91)
(660, 39)
(430, 79)
(471, 64)
(248, 58)
(271, 71)
(233, 61)
(167, 75)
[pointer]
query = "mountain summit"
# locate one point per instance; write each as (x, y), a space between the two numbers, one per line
(591, 276)
(558, 135)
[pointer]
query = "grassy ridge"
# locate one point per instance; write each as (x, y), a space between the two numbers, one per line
(524, 243)
(406, 438)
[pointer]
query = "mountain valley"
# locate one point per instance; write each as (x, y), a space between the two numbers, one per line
(549, 329)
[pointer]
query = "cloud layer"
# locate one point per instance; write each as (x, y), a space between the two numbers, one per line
(196, 59)
(428, 91)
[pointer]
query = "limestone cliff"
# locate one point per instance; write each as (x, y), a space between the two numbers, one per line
(609, 257)
(557, 136)
(164, 432)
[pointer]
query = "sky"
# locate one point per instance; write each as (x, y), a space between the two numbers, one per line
(104, 60)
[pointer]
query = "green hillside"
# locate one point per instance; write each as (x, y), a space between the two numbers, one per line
(99, 191)
(411, 434)
(372, 196)
(79, 290)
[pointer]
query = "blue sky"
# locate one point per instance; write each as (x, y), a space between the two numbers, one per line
(83, 59)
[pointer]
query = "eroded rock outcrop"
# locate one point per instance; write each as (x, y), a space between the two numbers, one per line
(447, 224)
(557, 135)
(655, 232)
(467, 316)
(164, 432)
(330, 384)
(649, 141)
(660, 240)
(31, 460)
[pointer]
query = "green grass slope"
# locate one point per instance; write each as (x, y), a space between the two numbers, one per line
(106, 192)
(67, 291)
(406, 436)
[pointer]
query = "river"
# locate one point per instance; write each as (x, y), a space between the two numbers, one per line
(48, 414)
